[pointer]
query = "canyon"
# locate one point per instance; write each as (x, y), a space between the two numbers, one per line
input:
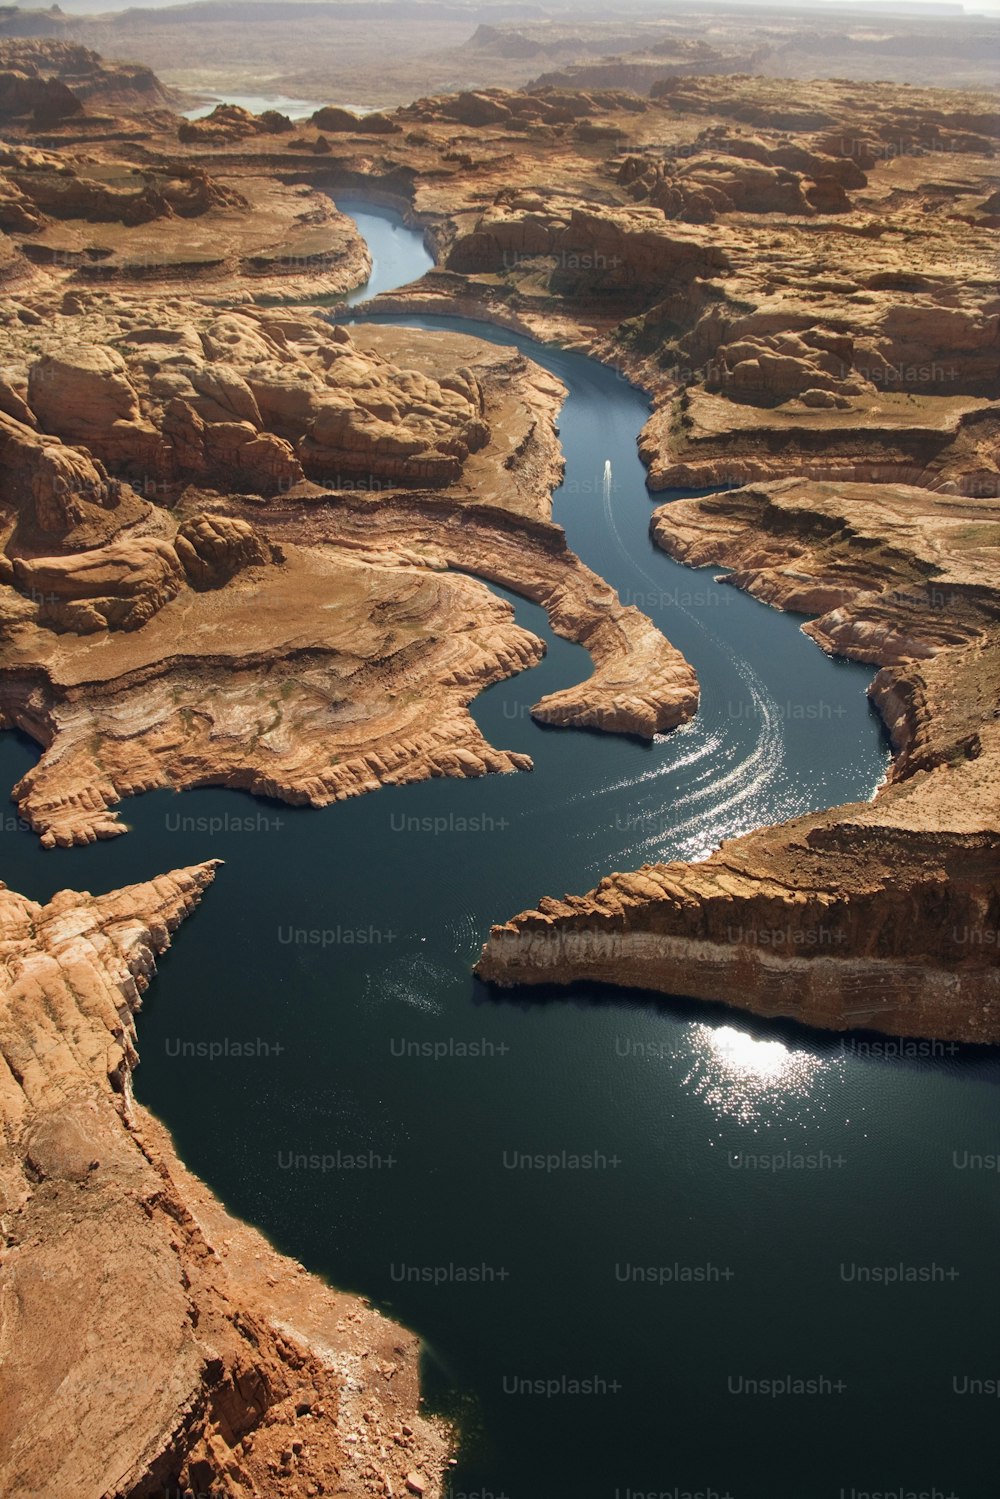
(865, 916)
(246, 545)
(349, 657)
(362, 51)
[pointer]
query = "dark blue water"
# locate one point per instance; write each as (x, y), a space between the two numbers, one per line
(750, 1172)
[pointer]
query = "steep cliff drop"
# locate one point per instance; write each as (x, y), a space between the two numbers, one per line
(882, 914)
(150, 1341)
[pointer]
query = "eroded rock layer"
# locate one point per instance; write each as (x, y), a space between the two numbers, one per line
(151, 1342)
(881, 914)
(315, 636)
(236, 549)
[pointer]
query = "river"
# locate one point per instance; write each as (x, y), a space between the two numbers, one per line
(643, 1204)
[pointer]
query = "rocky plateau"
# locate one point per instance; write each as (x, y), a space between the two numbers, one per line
(244, 545)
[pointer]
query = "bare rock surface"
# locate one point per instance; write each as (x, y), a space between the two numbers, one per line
(311, 639)
(875, 915)
(150, 1340)
(241, 546)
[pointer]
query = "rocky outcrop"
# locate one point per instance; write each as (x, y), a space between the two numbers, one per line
(334, 120)
(331, 677)
(706, 440)
(882, 914)
(595, 251)
(834, 110)
(122, 585)
(23, 92)
(310, 644)
(95, 216)
(54, 80)
(118, 587)
(853, 922)
(736, 173)
(814, 250)
(259, 398)
(151, 1342)
(82, 394)
(640, 685)
(59, 494)
(213, 548)
(894, 573)
(42, 186)
(231, 122)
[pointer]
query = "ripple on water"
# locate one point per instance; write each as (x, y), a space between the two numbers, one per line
(411, 981)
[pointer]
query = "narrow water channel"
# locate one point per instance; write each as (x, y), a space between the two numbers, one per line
(737, 1171)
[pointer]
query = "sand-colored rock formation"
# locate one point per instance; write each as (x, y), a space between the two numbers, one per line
(388, 57)
(802, 275)
(58, 494)
(236, 548)
(880, 915)
(596, 251)
(252, 398)
(50, 81)
(152, 1342)
(85, 211)
(304, 639)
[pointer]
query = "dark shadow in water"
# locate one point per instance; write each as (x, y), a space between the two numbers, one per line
(913, 1053)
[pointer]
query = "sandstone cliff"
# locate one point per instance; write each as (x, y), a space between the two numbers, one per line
(150, 1341)
(881, 915)
(310, 638)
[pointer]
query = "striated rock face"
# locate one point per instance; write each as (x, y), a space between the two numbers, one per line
(151, 1342)
(894, 573)
(326, 679)
(91, 215)
(881, 915)
(709, 440)
(813, 922)
(640, 685)
(849, 921)
(306, 641)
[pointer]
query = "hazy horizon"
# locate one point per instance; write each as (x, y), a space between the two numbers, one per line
(539, 11)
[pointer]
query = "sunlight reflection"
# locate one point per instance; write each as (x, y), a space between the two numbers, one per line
(743, 1077)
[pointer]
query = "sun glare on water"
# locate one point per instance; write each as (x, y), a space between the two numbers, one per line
(745, 1078)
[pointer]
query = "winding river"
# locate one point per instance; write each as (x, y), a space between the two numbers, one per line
(739, 1175)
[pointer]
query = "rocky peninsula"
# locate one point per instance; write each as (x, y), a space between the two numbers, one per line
(241, 545)
(880, 915)
(152, 1342)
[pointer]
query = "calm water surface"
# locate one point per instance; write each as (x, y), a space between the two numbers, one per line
(742, 1178)
(295, 109)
